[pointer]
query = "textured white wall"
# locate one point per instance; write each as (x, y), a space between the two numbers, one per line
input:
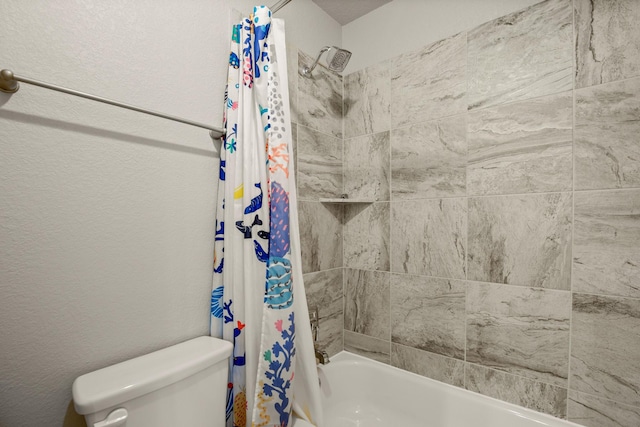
(404, 25)
(106, 215)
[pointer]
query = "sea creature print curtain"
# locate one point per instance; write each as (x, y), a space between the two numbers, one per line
(258, 300)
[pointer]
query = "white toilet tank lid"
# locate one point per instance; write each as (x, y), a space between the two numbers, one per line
(119, 383)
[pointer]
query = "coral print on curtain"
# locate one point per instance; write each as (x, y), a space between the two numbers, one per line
(258, 300)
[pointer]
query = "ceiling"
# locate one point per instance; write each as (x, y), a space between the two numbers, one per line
(345, 11)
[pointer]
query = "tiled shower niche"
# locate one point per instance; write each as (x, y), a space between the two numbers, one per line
(501, 248)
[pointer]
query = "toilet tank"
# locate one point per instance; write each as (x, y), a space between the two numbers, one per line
(183, 385)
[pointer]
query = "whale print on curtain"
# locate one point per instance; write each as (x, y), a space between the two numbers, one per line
(258, 301)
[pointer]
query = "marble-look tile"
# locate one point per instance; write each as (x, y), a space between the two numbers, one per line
(366, 236)
(429, 159)
(324, 291)
(524, 147)
(605, 344)
(367, 94)
(522, 55)
(519, 330)
(320, 98)
(429, 83)
(606, 249)
(521, 391)
(320, 164)
(607, 136)
(292, 80)
(366, 303)
(428, 237)
(428, 314)
(366, 346)
(607, 41)
(521, 240)
(434, 366)
(366, 167)
(591, 411)
(320, 236)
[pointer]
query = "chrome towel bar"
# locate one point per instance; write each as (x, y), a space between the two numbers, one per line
(9, 84)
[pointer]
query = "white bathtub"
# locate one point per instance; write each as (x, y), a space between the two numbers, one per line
(361, 392)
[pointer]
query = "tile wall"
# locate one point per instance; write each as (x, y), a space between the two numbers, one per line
(316, 110)
(501, 252)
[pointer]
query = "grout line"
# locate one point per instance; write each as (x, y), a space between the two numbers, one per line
(573, 202)
(605, 399)
(517, 376)
(402, 273)
(466, 316)
(343, 209)
(323, 271)
(637, 77)
(319, 131)
(540, 193)
(466, 191)
(388, 278)
(396, 200)
(344, 305)
(600, 190)
(390, 180)
(389, 187)
(507, 103)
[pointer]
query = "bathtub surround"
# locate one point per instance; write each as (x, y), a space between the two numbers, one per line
(511, 241)
(602, 325)
(367, 99)
(364, 229)
(607, 41)
(428, 364)
(606, 144)
(320, 163)
(429, 83)
(521, 147)
(429, 238)
(539, 396)
(606, 238)
(427, 313)
(461, 267)
(366, 308)
(429, 159)
(316, 110)
(364, 345)
(519, 330)
(319, 98)
(324, 291)
(366, 167)
(498, 70)
(521, 240)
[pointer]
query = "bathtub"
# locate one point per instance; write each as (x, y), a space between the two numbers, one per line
(357, 391)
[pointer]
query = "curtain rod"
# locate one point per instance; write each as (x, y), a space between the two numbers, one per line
(9, 84)
(276, 7)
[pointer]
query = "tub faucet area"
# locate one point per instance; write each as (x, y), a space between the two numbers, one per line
(322, 357)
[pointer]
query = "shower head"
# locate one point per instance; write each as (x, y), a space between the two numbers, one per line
(337, 60)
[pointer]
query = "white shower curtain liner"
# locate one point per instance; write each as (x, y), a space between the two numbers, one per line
(258, 300)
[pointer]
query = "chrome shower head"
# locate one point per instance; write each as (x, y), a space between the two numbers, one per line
(337, 60)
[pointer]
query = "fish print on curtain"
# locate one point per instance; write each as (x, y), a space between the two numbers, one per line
(252, 302)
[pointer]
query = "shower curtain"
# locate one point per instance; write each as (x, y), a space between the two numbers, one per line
(258, 300)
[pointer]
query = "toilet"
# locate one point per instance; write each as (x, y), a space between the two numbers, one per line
(183, 385)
